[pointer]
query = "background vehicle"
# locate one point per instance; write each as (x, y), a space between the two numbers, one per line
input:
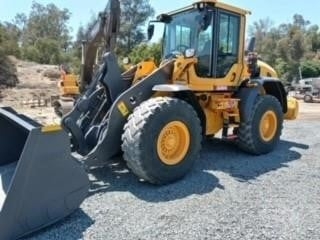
(307, 89)
(156, 116)
(69, 91)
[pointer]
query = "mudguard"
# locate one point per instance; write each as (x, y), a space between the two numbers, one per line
(274, 87)
(271, 86)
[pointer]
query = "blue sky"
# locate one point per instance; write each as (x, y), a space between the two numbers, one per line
(279, 11)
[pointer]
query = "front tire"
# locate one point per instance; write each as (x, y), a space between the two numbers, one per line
(261, 132)
(162, 139)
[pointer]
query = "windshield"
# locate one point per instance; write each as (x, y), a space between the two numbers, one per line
(191, 29)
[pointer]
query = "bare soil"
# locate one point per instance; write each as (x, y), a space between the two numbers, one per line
(309, 111)
(32, 91)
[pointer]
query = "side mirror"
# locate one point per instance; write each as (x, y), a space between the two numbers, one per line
(150, 31)
(126, 60)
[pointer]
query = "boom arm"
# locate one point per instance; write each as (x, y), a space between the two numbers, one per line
(105, 29)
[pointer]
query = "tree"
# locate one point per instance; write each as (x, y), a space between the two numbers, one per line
(146, 51)
(266, 39)
(310, 68)
(9, 35)
(44, 33)
(300, 22)
(134, 14)
(7, 46)
(259, 30)
(313, 38)
(287, 46)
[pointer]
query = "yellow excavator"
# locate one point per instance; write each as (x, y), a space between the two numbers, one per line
(156, 116)
(100, 38)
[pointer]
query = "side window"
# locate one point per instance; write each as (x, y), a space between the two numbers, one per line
(204, 47)
(228, 43)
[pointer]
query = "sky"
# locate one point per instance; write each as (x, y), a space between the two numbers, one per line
(279, 11)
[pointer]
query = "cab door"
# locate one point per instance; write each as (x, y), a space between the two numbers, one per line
(223, 70)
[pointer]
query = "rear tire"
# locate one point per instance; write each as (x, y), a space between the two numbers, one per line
(308, 98)
(261, 132)
(57, 109)
(162, 139)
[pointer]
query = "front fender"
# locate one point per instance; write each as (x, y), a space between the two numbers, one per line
(274, 87)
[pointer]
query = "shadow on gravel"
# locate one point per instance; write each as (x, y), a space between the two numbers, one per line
(226, 157)
(116, 177)
(72, 226)
(216, 155)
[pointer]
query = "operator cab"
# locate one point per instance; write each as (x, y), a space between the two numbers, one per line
(212, 32)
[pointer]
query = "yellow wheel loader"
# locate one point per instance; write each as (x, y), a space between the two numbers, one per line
(69, 91)
(156, 116)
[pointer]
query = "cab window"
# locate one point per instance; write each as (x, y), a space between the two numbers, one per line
(228, 42)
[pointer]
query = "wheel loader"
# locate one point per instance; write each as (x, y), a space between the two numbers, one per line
(207, 85)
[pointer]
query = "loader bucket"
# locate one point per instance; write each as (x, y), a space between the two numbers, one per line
(293, 109)
(40, 181)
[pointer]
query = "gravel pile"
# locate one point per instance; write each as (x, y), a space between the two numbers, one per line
(228, 195)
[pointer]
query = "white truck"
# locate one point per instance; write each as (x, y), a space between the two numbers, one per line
(307, 89)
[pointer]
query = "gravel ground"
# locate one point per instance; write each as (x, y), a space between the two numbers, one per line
(228, 195)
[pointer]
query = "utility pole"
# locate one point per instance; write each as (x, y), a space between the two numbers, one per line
(300, 74)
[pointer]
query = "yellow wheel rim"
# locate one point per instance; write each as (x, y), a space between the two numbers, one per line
(173, 143)
(268, 126)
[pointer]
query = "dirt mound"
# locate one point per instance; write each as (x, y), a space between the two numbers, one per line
(52, 73)
(8, 72)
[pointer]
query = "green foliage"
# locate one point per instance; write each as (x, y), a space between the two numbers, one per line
(49, 50)
(9, 35)
(44, 33)
(288, 46)
(71, 59)
(30, 53)
(45, 50)
(146, 51)
(8, 77)
(310, 68)
(7, 69)
(134, 14)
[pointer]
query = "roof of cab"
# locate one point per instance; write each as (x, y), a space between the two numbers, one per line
(215, 3)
